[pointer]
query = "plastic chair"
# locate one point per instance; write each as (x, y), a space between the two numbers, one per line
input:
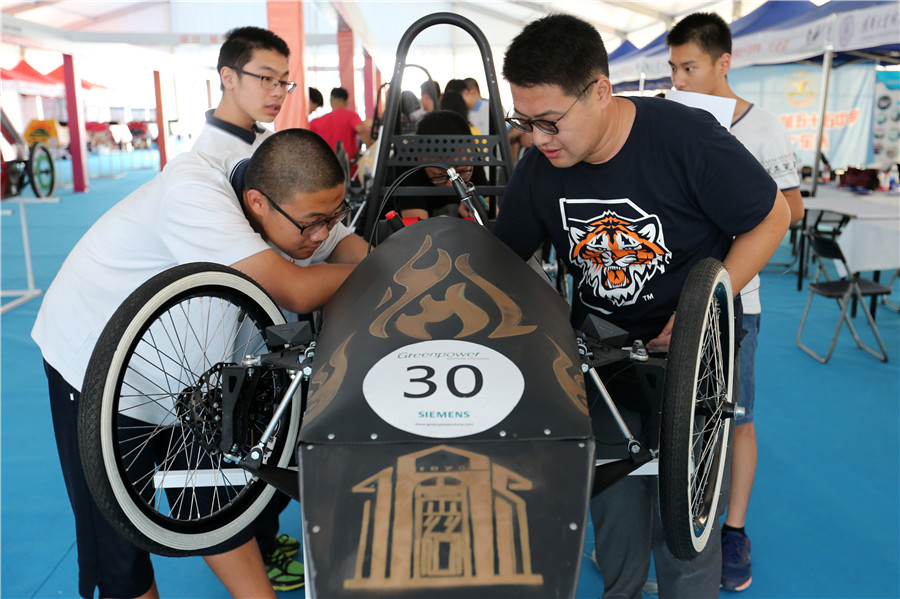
(844, 290)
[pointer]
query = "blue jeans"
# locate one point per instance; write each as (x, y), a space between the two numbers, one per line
(747, 357)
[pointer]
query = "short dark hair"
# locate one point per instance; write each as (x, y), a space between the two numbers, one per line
(432, 89)
(455, 85)
(558, 49)
(442, 122)
(315, 97)
(293, 161)
(453, 101)
(472, 83)
(237, 50)
(339, 93)
(706, 29)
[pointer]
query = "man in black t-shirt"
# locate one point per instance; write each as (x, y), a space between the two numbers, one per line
(632, 192)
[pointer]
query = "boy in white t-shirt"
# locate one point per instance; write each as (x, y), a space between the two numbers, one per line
(700, 57)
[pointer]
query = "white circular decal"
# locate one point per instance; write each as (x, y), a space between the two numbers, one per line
(444, 388)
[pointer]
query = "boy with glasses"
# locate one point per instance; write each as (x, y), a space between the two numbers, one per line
(254, 79)
(189, 213)
(632, 192)
(193, 211)
(700, 57)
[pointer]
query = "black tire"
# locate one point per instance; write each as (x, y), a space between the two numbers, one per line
(41, 170)
(697, 409)
(147, 420)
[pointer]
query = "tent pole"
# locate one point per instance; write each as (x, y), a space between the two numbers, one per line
(826, 73)
(642, 83)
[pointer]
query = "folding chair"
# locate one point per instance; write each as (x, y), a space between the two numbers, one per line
(884, 299)
(844, 290)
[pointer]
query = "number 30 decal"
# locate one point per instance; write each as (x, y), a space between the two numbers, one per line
(443, 388)
(431, 386)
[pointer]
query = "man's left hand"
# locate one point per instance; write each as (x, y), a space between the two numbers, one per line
(661, 342)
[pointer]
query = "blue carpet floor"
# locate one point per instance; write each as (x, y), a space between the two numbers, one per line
(823, 516)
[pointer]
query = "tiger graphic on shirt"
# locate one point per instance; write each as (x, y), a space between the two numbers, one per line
(617, 247)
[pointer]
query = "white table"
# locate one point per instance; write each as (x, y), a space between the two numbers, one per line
(857, 206)
(871, 245)
(878, 206)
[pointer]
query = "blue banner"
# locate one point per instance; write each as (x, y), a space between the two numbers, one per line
(792, 91)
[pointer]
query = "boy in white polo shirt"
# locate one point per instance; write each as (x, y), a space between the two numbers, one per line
(189, 212)
(700, 57)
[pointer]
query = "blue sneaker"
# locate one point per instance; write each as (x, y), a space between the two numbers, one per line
(736, 571)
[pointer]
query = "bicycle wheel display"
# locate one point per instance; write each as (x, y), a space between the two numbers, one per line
(41, 171)
(151, 408)
(697, 409)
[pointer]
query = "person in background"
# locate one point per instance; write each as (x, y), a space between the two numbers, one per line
(632, 192)
(409, 104)
(429, 100)
(341, 125)
(455, 85)
(700, 58)
(454, 102)
(316, 101)
(439, 122)
(479, 108)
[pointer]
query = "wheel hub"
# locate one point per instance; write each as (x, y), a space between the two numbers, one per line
(200, 408)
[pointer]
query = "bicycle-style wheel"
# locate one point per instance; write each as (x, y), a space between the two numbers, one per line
(697, 409)
(151, 407)
(41, 171)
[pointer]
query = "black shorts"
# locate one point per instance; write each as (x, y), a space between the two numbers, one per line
(106, 560)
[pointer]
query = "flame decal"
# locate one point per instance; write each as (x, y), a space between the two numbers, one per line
(419, 281)
(563, 367)
(474, 318)
(416, 281)
(511, 315)
(325, 384)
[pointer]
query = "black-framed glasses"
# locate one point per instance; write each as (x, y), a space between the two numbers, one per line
(269, 83)
(316, 226)
(543, 125)
(464, 171)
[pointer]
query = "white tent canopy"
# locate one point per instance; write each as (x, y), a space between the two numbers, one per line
(174, 34)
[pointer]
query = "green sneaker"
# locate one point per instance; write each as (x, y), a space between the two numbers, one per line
(287, 544)
(285, 574)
